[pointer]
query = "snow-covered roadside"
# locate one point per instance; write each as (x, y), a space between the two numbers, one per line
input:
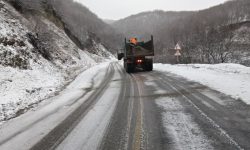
(44, 118)
(231, 79)
(20, 89)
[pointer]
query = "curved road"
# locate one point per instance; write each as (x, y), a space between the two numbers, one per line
(144, 110)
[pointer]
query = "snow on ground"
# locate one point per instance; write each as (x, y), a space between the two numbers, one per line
(26, 78)
(90, 131)
(49, 113)
(184, 132)
(20, 89)
(180, 126)
(231, 79)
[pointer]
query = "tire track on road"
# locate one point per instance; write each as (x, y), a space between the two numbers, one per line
(114, 137)
(43, 118)
(125, 129)
(138, 135)
(172, 84)
(60, 132)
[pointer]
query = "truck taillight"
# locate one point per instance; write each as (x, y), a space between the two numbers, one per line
(139, 61)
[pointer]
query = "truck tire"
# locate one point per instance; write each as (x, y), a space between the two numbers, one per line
(148, 65)
(129, 68)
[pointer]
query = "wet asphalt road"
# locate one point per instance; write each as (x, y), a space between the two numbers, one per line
(138, 122)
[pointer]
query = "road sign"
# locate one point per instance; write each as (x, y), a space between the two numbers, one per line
(177, 47)
(177, 53)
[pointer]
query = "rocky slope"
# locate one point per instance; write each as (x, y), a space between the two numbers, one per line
(37, 59)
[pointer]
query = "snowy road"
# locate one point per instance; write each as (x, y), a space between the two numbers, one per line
(105, 108)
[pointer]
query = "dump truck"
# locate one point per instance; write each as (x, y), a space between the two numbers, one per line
(137, 55)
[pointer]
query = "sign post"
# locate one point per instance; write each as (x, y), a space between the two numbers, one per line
(177, 53)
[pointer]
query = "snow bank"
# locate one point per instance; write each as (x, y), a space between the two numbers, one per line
(231, 79)
(43, 118)
(19, 88)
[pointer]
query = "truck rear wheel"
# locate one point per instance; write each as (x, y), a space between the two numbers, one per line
(148, 65)
(130, 68)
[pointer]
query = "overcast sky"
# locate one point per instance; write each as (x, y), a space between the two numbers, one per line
(117, 9)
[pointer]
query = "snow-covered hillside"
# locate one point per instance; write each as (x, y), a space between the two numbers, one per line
(231, 79)
(31, 72)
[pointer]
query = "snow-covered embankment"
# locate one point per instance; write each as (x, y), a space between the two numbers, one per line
(35, 66)
(230, 79)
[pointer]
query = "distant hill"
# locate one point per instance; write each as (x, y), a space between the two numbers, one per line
(109, 21)
(147, 23)
(196, 31)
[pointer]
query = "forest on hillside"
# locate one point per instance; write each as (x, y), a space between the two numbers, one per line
(80, 24)
(215, 35)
